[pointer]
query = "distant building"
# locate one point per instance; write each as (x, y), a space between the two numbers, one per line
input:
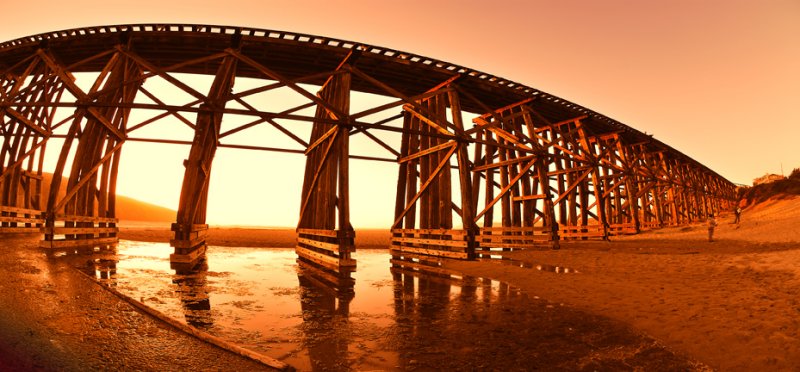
(768, 178)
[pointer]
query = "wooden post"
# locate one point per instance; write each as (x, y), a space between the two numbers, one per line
(326, 236)
(84, 216)
(190, 228)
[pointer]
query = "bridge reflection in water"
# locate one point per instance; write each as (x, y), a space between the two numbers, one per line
(408, 314)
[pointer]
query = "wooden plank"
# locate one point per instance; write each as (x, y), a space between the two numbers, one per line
(418, 232)
(327, 233)
(430, 252)
(192, 228)
(331, 247)
(438, 242)
(188, 243)
(530, 197)
(415, 256)
(503, 163)
(430, 179)
(428, 151)
(21, 219)
(190, 257)
(581, 227)
(515, 229)
(19, 230)
(504, 239)
(67, 218)
(79, 230)
(536, 244)
(20, 210)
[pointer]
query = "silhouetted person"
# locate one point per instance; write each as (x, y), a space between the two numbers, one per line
(738, 213)
(712, 223)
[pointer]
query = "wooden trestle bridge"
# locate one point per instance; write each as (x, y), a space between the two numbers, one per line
(483, 162)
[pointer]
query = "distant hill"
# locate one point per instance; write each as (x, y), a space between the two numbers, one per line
(127, 208)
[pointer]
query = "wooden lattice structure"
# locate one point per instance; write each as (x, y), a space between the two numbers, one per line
(484, 163)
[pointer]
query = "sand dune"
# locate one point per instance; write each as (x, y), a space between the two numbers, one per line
(127, 208)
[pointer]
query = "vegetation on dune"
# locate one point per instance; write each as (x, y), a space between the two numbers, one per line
(780, 189)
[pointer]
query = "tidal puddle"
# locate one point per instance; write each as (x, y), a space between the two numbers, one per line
(381, 317)
(267, 301)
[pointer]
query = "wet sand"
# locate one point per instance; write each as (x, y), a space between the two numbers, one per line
(53, 318)
(731, 304)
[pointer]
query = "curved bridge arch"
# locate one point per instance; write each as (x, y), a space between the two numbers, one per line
(483, 162)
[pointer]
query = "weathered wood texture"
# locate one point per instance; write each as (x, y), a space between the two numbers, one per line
(26, 125)
(424, 204)
(325, 235)
(512, 149)
(88, 208)
(527, 170)
(194, 191)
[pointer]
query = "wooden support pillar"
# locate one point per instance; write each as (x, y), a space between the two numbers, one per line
(190, 227)
(579, 181)
(26, 121)
(631, 168)
(84, 216)
(325, 235)
(424, 184)
(519, 155)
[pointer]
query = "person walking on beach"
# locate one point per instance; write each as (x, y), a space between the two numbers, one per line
(738, 213)
(712, 223)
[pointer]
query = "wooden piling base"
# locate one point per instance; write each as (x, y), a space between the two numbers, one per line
(583, 232)
(189, 244)
(432, 242)
(20, 220)
(80, 231)
(329, 248)
(515, 238)
(188, 257)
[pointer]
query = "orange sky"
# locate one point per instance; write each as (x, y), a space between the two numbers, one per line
(718, 80)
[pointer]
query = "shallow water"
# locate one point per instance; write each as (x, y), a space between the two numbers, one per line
(263, 300)
(380, 317)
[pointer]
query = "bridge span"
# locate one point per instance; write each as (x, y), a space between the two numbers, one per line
(482, 162)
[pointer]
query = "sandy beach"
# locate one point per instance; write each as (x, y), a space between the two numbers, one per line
(731, 305)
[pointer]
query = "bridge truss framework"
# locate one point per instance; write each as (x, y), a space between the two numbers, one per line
(483, 162)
